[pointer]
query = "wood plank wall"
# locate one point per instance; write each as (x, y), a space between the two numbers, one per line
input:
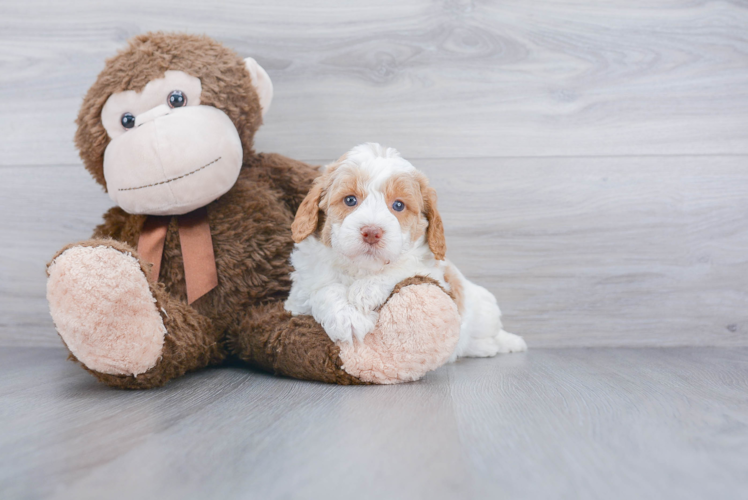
(591, 157)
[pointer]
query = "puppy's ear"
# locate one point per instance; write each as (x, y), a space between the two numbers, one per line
(435, 230)
(307, 216)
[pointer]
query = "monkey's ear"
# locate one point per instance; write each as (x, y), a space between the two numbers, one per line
(261, 82)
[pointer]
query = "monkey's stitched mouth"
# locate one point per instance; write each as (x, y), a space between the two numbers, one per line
(173, 179)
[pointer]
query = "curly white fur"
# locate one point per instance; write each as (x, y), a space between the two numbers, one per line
(343, 282)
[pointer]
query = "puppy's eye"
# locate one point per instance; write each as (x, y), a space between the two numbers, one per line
(127, 120)
(398, 206)
(350, 201)
(177, 99)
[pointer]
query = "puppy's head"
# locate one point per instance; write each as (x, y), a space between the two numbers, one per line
(371, 206)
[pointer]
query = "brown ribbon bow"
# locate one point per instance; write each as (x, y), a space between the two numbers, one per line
(200, 272)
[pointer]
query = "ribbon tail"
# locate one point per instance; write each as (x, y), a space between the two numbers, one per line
(151, 243)
(200, 272)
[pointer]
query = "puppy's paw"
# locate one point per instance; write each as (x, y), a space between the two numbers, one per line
(363, 323)
(349, 323)
(502, 343)
(338, 328)
(509, 342)
(366, 296)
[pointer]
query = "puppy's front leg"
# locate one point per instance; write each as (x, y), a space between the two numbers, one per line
(340, 319)
(368, 294)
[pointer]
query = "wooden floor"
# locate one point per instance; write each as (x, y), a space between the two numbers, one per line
(613, 423)
(591, 161)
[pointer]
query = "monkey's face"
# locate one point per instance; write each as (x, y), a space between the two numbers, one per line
(168, 155)
(170, 120)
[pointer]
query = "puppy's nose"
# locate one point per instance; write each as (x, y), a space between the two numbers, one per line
(372, 234)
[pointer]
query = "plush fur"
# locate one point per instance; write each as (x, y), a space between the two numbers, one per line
(101, 296)
(242, 317)
(380, 225)
(402, 350)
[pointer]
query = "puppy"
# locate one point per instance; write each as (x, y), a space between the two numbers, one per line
(369, 222)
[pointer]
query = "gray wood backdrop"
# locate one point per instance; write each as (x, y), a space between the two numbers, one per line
(591, 157)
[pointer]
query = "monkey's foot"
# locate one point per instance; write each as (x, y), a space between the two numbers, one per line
(104, 310)
(417, 331)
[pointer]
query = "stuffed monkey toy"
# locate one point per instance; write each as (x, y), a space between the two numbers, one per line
(191, 268)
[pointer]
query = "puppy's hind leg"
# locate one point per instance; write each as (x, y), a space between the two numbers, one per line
(509, 342)
(481, 332)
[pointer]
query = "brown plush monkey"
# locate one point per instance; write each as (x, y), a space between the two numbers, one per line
(191, 268)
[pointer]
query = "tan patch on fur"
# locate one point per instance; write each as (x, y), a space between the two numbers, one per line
(310, 215)
(325, 205)
(455, 287)
(406, 188)
(305, 222)
(435, 231)
(420, 212)
(346, 181)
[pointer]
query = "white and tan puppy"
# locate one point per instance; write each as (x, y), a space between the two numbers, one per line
(369, 222)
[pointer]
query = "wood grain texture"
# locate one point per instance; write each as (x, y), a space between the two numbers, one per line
(450, 78)
(604, 251)
(637, 240)
(619, 423)
(579, 251)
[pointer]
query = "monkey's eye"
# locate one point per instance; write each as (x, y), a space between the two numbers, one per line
(398, 206)
(128, 120)
(177, 99)
(350, 201)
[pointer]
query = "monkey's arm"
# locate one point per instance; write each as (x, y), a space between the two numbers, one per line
(268, 337)
(417, 331)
